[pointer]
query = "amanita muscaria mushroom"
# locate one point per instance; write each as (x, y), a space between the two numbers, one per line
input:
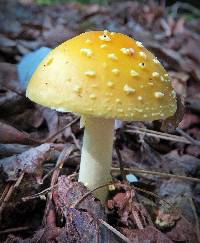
(103, 76)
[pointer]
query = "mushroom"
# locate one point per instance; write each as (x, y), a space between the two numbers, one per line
(103, 76)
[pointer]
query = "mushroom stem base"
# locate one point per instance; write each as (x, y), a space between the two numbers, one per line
(96, 155)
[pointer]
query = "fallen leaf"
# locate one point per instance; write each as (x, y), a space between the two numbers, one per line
(191, 49)
(181, 164)
(166, 220)
(183, 232)
(170, 123)
(179, 82)
(189, 120)
(129, 212)
(69, 192)
(81, 222)
(30, 161)
(192, 103)
(9, 134)
(149, 234)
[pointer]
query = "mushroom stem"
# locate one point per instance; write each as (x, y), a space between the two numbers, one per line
(96, 154)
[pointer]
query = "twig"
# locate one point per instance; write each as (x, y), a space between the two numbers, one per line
(162, 135)
(122, 172)
(156, 173)
(152, 194)
(22, 94)
(116, 232)
(161, 174)
(9, 193)
(145, 130)
(5, 192)
(72, 175)
(184, 6)
(12, 230)
(76, 141)
(61, 159)
(64, 155)
(46, 140)
(38, 194)
(48, 174)
(56, 167)
(90, 192)
(196, 217)
(188, 137)
(97, 230)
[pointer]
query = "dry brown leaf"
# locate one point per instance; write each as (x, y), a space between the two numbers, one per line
(179, 26)
(192, 103)
(129, 211)
(191, 49)
(30, 161)
(8, 74)
(68, 193)
(9, 134)
(189, 120)
(181, 164)
(81, 222)
(166, 220)
(183, 232)
(172, 122)
(149, 234)
(179, 84)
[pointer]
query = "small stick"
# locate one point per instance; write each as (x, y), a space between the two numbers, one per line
(196, 218)
(5, 192)
(161, 174)
(140, 171)
(48, 174)
(12, 230)
(116, 232)
(123, 174)
(58, 166)
(59, 131)
(9, 193)
(13, 90)
(161, 135)
(97, 230)
(89, 192)
(76, 141)
(168, 138)
(188, 137)
(38, 194)
(145, 130)
(61, 159)
(73, 175)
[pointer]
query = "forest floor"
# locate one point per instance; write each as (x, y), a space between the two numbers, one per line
(42, 201)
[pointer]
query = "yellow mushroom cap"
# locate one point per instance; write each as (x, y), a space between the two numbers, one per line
(104, 74)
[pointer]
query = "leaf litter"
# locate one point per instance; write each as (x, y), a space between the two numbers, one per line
(33, 137)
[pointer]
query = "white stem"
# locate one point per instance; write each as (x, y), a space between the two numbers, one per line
(96, 154)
